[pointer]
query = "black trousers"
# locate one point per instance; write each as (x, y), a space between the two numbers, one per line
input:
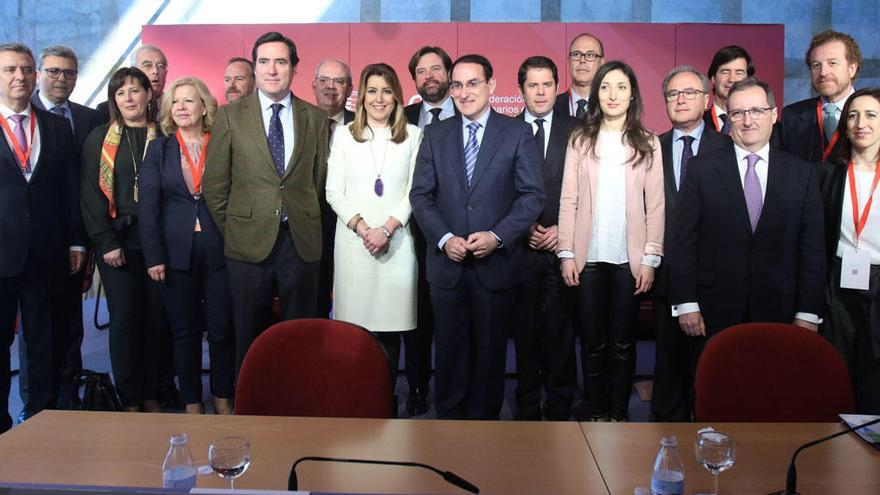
(199, 299)
(135, 308)
(391, 342)
(543, 331)
(417, 343)
(607, 312)
(38, 292)
(471, 325)
(675, 366)
(253, 291)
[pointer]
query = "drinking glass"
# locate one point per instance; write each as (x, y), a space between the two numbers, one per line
(716, 451)
(230, 457)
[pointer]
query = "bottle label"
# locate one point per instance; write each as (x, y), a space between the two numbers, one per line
(179, 477)
(667, 483)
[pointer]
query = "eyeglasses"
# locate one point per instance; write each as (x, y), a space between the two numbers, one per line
(689, 94)
(472, 84)
(55, 72)
(331, 81)
(160, 66)
(756, 113)
(576, 56)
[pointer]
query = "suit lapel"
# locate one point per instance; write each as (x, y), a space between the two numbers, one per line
(668, 168)
(47, 143)
(775, 179)
(172, 153)
(728, 174)
(253, 112)
(300, 130)
(454, 160)
(488, 145)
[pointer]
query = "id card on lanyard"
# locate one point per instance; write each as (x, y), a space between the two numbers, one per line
(855, 269)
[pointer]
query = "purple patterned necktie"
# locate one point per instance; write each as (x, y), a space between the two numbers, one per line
(752, 190)
(20, 136)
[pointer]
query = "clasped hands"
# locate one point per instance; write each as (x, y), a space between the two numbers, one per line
(480, 244)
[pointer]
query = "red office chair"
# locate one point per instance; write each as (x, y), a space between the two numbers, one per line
(315, 367)
(771, 372)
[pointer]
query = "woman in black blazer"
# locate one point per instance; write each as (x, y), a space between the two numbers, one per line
(183, 247)
(852, 319)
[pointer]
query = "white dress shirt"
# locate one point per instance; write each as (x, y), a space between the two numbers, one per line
(286, 116)
(34, 145)
(548, 121)
(447, 109)
(573, 98)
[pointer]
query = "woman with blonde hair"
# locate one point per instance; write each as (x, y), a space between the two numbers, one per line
(183, 248)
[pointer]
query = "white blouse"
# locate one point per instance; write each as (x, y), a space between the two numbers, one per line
(870, 238)
(608, 238)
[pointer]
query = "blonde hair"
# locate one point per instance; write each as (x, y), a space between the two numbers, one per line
(396, 121)
(169, 127)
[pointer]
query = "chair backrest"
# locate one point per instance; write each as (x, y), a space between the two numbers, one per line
(771, 372)
(315, 367)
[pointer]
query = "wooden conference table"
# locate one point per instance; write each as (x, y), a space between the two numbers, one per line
(126, 449)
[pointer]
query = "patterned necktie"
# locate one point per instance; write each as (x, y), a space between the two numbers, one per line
(435, 115)
(276, 138)
(581, 109)
(59, 110)
(687, 152)
(18, 132)
(725, 124)
(752, 190)
(539, 138)
(470, 151)
(333, 125)
(829, 120)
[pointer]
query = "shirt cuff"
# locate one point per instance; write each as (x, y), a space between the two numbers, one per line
(77, 249)
(651, 260)
(685, 308)
(565, 255)
(500, 244)
(443, 240)
(808, 317)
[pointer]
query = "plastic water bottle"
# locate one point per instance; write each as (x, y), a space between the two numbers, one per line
(668, 477)
(178, 470)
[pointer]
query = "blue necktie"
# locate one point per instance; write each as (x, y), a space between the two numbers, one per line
(276, 138)
(471, 148)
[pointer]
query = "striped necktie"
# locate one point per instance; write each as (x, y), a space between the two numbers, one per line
(471, 148)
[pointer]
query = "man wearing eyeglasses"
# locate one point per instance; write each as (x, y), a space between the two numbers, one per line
(332, 87)
(585, 55)
(686, 92)
(476, 190)
(748, 238)
(56, 79)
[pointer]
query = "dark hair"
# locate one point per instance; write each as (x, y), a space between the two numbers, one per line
(421, 52)
(728, 54)
(841, 154)
(397, 119)
(753, 82)
(473, 58)
(634, 132)
(242, 60)
(581, 35)
(853, 53)
(536, 62)
(275, 36)
(117, 80)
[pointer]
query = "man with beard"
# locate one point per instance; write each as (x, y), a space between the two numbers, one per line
(809, 127)
(429, 67)
(238, 79)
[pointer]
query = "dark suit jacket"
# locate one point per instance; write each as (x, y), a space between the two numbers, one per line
(553, 165)
(84, 120)
(167, 211)
(40, 218)
(800, 130)
(710, 141)
(347, 116)
(243, 190)
(561, 105)
(736, 275)
(506, 195)
(412, 113)
(832, 181)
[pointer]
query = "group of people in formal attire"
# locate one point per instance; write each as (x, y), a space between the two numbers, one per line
(442, 222)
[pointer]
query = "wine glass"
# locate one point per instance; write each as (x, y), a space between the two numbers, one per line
(230, 457)
(716, 451)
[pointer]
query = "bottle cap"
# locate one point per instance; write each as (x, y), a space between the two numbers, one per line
(178, 439)
(670, 441)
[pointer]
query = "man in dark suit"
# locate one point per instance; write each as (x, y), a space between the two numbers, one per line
(238, 78)
(56, 80)
(476, 190)
(809, 126)
(39, 226)
(748, 236)
(686, 92)
(543, 320)
(430, 68)
(264, 184)
(730, 64)
(585, 55)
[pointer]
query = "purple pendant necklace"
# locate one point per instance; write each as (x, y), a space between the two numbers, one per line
(378, 186)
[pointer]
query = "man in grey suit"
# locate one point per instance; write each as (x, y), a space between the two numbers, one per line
(264, 183)
(476, 190)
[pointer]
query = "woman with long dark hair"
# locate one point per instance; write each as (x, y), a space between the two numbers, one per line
(611, 232)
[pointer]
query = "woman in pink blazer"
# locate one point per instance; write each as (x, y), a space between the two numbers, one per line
(611, 233)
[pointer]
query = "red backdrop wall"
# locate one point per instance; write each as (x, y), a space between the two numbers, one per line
(652, 49)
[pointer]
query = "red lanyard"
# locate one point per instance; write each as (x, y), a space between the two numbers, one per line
(859, 222)
(23, 156)
(715, 119)
(195, 170)
(834, 136)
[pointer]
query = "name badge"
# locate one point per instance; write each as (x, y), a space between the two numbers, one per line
(855, 269)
